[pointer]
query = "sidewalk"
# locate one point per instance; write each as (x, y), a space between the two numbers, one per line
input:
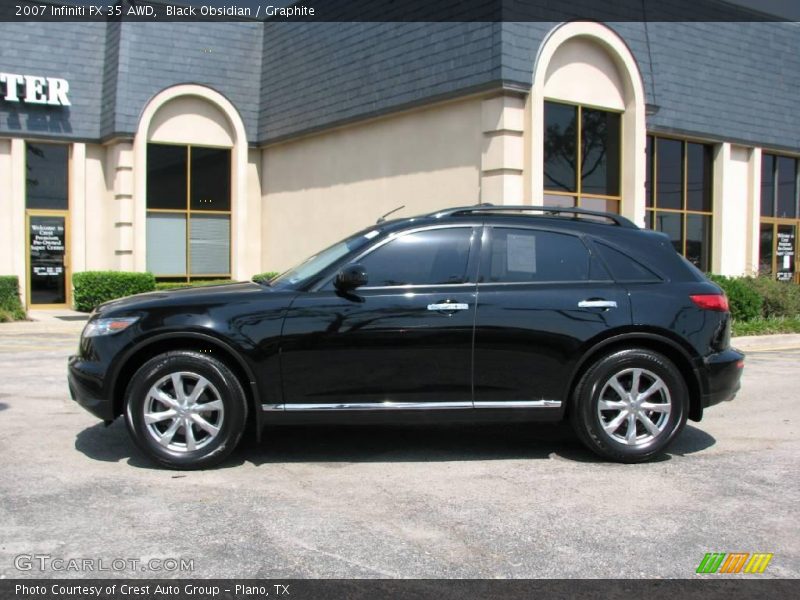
(42, 321)
(763, 343)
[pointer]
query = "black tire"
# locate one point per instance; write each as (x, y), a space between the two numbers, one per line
(614, 373)
(201, 447)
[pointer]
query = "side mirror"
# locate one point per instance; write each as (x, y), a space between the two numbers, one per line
(350, 277)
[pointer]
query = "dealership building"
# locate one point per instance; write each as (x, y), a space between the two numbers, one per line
(221, 150)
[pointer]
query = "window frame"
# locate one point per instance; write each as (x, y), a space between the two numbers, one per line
(684, 212)
(775, 222)
(585, 240)
(577, 196)
(188, 277)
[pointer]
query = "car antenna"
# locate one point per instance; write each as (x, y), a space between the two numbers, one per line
(394, 210)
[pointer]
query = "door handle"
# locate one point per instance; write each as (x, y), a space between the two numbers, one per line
(597, 304)
(449, 306)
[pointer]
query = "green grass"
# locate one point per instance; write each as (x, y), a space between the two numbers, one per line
(767, 326)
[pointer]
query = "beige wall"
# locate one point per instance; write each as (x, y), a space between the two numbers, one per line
(6, 247)
(321, 188)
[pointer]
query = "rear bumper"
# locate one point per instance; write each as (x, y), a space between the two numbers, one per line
(85, 379)
(724, 374)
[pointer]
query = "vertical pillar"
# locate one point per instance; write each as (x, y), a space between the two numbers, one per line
(77, 209)
(503, 151)
(753, 212)
(120, 156)
(733, 201)
(19, 247)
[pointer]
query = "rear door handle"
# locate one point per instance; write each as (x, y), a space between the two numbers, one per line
(597, 304)
(449, 306)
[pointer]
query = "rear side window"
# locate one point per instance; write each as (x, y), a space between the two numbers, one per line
(526, 255)
(431, 257)
(623, 267)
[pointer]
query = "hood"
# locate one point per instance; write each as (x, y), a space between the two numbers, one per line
(226, 292)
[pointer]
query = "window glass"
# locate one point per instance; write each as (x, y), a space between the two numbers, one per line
(211, 178)
(210, 244)
(525, 255)
(600, 204)
(787, 187)
(560, 201)
(699, 161)
(672, 225)
(600, 151)
(166, 243)
(560, 153)
(669, 173)
(767, 185)
(765, 249)
(435, 256)
(784, 252)
(698, 241)
(166, 176)
(623, 267)
(46, 176)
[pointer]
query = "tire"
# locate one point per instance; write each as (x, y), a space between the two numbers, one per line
(604, 407)
(215, 413)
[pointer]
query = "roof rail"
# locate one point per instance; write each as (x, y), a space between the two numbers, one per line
(550, 211)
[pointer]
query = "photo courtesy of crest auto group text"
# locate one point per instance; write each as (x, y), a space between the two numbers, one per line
(399, 299)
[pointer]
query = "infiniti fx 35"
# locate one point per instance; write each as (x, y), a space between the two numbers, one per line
(471, 313)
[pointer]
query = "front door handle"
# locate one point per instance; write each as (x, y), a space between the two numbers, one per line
(448, 306)
(597, 304)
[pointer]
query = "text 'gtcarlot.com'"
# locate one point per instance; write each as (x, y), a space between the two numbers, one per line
(47, 562)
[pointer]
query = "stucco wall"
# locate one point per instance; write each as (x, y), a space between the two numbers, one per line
(324, 187)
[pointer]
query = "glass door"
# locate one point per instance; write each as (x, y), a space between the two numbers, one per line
(48, 269)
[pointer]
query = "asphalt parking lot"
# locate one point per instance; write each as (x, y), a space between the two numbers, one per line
(458, 501)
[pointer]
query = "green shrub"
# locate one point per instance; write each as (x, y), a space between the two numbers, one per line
(10, 305)
(767, 326)
(177, 285)
(781, 299)
(265, 276)
(745, 302)
(92, 288)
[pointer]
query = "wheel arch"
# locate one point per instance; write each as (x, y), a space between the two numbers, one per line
(198, 342)
(680, 356)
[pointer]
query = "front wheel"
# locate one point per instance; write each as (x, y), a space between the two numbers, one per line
(185, 410)
(630, 405)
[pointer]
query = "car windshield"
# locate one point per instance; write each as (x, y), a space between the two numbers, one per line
(322, 260)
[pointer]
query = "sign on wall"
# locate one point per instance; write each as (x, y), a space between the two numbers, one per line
(32, 89)
(785, 253)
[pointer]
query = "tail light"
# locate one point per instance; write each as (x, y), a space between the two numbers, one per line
(718, 302)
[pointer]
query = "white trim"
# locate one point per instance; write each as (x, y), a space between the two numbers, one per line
(240, 252)
(633, 120)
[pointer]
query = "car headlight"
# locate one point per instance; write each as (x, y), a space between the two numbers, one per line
(109, 326)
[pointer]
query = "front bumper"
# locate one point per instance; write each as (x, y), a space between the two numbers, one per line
(723, 376)
(85, 379)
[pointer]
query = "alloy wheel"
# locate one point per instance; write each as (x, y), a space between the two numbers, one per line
(634, 406)
(183, 412)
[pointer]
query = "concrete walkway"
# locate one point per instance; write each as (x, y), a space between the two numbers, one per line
(764, 343)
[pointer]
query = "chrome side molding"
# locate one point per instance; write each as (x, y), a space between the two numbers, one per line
(377, 406)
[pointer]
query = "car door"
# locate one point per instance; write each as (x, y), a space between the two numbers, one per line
(402, 340)
(541, 295)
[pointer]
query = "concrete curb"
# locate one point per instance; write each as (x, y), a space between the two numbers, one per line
(762, 343)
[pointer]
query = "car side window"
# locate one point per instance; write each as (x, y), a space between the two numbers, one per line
(527, 255)
(622, 266)
(429, 257)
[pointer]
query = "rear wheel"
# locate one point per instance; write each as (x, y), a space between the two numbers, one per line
(630, 405)
(185, 410)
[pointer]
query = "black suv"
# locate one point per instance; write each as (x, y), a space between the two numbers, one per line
(481, 312)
